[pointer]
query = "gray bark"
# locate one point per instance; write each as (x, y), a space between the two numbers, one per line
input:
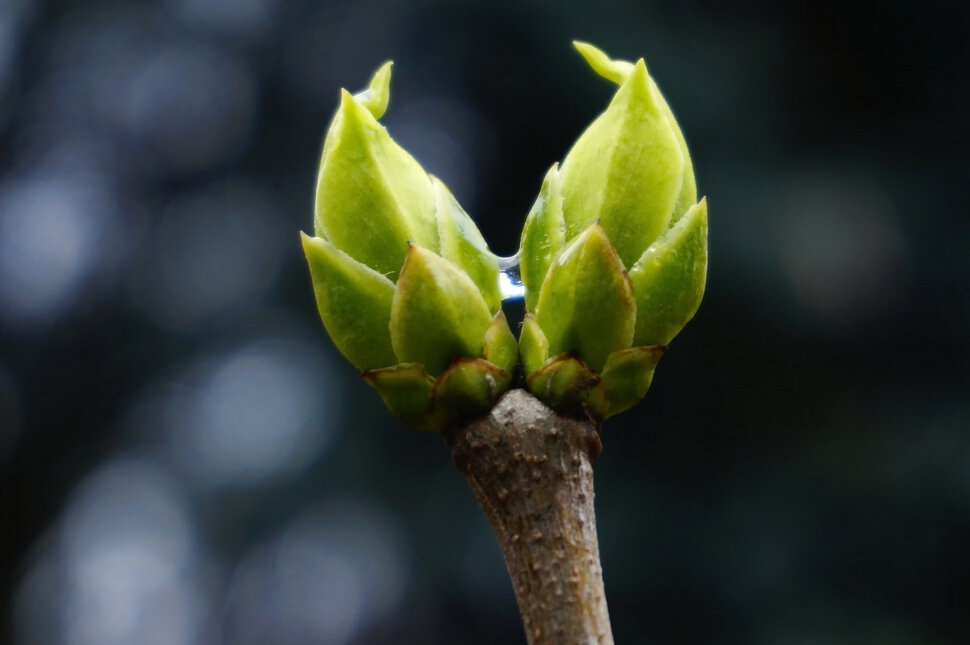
(531, 472)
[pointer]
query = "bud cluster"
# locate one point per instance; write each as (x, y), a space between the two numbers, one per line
(613, 260)
(405, 284)
(614, 251)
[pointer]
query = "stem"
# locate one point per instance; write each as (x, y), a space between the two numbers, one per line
(530, 470)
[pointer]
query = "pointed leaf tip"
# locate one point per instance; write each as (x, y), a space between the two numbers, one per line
(533, 346)
(346, 99)
(597, 178)
(612, 70)
(499, 346)
(640, 87)
(371, 194)
(377, 95)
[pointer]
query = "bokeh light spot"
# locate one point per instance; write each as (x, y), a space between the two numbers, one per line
(330, 573)
(842, 249)
(50, 232)
(121, 571)
(260, 411)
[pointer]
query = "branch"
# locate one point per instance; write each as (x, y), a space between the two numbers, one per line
(530, 470)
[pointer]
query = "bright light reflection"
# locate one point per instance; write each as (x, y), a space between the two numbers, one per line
(260, 411)
(333, 572)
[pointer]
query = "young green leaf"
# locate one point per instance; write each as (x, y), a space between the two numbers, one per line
(468, 388)
(499, 346)
(627, 376)
(543, 236)
(625, 170)
(438, 313)
(533, 345)
(586, 304)
(463, 244)
(406, 391)
(372, 196)
(618, 71)
(669, 279)
(354, 303)
(568, 385)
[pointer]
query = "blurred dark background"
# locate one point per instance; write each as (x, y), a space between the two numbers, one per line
(186, 458)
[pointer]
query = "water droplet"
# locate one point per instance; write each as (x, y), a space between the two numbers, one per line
(509, 279)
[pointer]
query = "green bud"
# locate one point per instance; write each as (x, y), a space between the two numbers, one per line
(405, 283)
(619, 71)
(586, 305)
(437, 314)
(372, 196)
(624, 197)
(468, 389)
(409, 291)
(568, 385)
(625, 170)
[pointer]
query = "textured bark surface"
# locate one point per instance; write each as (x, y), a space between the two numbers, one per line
(530, 470)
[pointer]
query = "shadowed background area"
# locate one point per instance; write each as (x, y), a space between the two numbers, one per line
(186, 458)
